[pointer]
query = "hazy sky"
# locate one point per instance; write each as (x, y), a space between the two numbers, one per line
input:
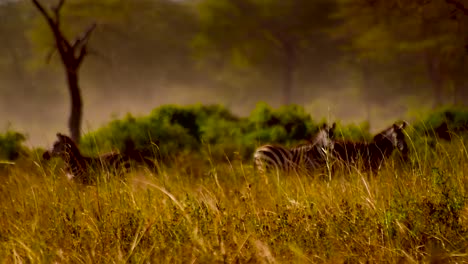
(139, 64)
(40, 119)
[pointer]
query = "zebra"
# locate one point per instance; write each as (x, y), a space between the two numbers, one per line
(137, 155)
(306, 158)
(83, 169)
(372, 155)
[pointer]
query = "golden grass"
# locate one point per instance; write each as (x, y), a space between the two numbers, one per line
(224, 212)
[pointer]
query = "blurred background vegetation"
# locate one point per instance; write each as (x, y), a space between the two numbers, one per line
(349, 60)
(212, 133)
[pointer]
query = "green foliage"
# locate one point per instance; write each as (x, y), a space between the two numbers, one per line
(284, 125)
(443, 123)
(11, 145)
(261, 37)
(255, 29)
(385, 39)
(169, 130)
(156, 135)
(356, 132)
(172, 129)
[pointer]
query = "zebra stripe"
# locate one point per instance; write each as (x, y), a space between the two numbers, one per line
(372, 155)
(82, 168)
(302, 158)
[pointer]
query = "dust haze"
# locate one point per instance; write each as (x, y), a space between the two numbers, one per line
(141, 61)
(41, 116)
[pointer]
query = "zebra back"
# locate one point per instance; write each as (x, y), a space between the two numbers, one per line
(305, 157)
(352, 153)
(371, 155)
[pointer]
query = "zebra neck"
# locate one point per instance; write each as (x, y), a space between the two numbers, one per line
(384, 147)
(75, 159)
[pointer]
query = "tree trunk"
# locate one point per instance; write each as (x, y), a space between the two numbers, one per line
(289, 69)
(74, 122)
(72, 55)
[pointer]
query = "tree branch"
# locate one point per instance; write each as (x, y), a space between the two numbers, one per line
(458, 5)
(62, 44)
(44, 12)
(51, 54)
(82, 43)
(56, 10)
(83, 40)
(83, 52)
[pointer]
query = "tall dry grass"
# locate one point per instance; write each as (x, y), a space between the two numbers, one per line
(207, 212)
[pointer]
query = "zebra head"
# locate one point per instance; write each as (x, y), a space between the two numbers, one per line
(325, 137)
(63, 147)
(391, 138)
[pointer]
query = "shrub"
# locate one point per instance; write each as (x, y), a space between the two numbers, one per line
(11, 145)
(286, 125)
(356, 132)
(443, 123)
(152, 135)
(169, 130)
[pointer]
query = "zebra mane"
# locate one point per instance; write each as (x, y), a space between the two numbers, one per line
(385, 133)
(305, 146)
(325, 133)
(321, 140)
(64, 139)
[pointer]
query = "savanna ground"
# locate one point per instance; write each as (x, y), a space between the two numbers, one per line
(196, 210)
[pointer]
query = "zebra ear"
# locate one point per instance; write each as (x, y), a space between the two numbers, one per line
(403, 125)
(327, 127)
(331, 130)
(61, 136)
(46, 155)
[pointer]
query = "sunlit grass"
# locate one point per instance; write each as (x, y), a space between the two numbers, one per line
(203, 211)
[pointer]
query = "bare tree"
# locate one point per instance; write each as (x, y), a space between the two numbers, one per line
(71, 55)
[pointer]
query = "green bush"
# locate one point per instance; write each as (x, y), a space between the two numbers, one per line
(443, 123)
(172, 129)
(11, 145)
(356, 132)
(167, 130)
(153, 135)
(288, 124)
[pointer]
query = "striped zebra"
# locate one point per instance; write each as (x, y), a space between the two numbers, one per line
(372, 155)
(302, 158)
(82, 168)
